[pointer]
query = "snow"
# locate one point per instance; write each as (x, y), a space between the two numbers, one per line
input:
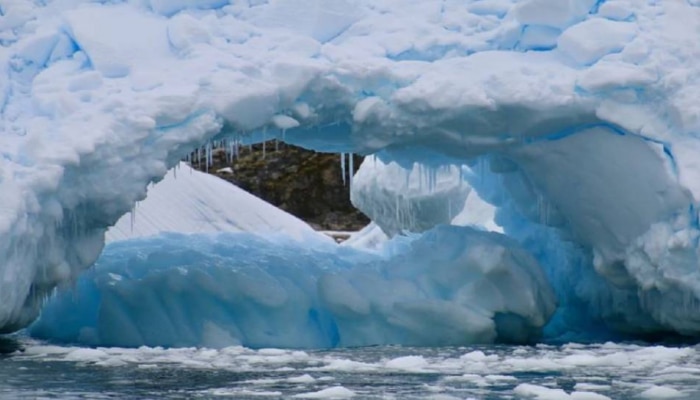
(577, 121)
(589, 41)
(189, 201)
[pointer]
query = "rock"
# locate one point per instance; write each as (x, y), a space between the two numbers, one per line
(304, 183)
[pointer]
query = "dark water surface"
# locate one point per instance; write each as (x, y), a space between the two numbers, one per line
(33, 370)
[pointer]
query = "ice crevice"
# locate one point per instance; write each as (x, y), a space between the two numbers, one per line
(598, 185)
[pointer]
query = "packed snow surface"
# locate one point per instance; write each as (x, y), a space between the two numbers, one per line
(578, 121)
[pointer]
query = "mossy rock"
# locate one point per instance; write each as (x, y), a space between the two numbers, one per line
(302, 182)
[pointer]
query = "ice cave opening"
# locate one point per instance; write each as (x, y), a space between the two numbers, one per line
(553, 238)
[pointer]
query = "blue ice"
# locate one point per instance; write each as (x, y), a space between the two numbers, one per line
(450, 286)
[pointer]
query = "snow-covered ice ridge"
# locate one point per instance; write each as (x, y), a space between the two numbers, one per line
(586, 107)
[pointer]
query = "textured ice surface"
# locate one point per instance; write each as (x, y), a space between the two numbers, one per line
(451, 286)
(586, 111)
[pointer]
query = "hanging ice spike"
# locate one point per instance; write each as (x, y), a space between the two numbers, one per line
(342, 166)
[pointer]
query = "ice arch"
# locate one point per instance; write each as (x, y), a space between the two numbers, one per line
(93, 111)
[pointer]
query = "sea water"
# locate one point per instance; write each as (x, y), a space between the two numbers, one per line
(36, 370)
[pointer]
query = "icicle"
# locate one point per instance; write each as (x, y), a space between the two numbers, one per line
(206, 158)
(342, 166)
(398, 210)
(407, 179)
(175, 172)
(421, 175)
(352, 169)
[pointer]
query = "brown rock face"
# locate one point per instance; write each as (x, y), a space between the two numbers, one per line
(302, 182)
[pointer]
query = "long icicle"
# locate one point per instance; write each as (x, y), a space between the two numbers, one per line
(342, 166)
(351, 168)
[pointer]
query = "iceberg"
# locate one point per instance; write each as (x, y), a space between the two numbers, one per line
(576, 121)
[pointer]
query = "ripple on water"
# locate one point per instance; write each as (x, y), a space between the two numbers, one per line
(576, 372)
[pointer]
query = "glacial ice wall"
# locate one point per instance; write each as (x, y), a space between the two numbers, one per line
(586, 109)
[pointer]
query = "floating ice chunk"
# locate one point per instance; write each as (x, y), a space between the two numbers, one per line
(408, 363)
(661, 392)
(588, 396)
(589, 41)
(336, 392)
(306, 378)
(540, 392)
